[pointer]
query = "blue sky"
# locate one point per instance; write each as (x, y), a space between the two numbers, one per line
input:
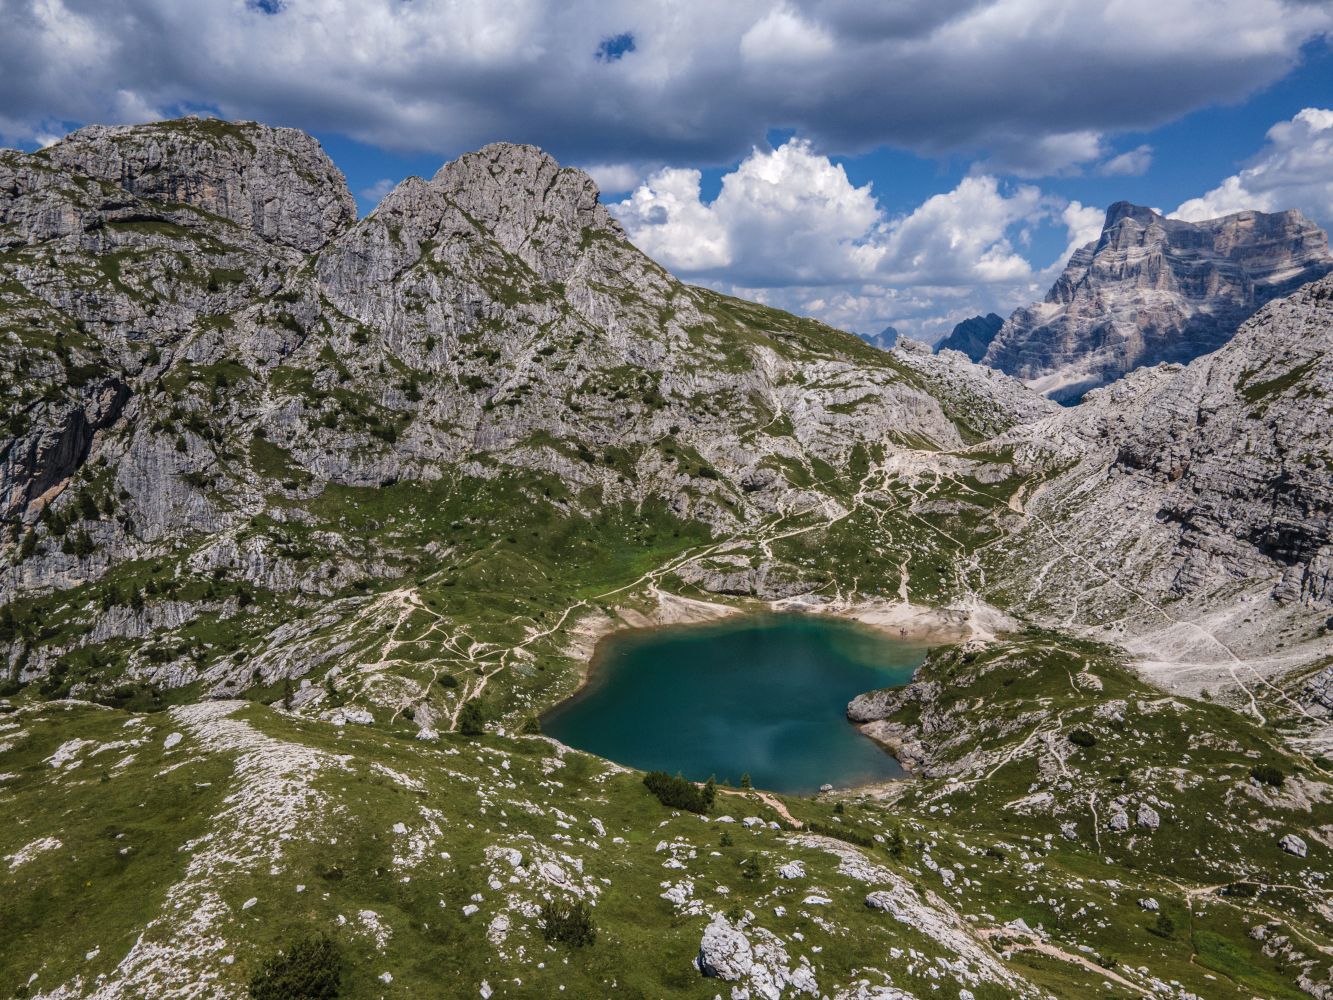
(869, 163)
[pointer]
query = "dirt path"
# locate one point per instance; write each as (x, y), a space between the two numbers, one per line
(770, 800)
(1233, 661)
(1030, 942)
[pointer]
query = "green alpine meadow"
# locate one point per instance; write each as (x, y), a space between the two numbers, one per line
(928, 685)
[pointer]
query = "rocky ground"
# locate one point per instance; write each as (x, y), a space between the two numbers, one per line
(288, 492)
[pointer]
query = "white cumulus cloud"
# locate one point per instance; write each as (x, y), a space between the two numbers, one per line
(1029, 85)
(789, 228)
(960, 237)
(783, 37)
(787, 216)
(1134, 163)
(790, 216)
(373, 194)
(667, 220)
(1041, 156)
(1083, 223)
(614, 178)
(1293, 170)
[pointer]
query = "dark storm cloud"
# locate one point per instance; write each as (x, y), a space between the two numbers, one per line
(1030, 84)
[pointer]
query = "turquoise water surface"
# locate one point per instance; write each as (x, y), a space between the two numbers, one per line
(765, 694)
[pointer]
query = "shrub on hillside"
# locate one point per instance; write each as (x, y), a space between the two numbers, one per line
(1165, 927)
(1082, 738)
(1267, 774)
(471, 721)
(895, 843)
(310, 969)
(678, 793)
(752, 867)
(568, 923)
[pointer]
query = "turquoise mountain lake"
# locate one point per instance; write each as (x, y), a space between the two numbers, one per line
(765, 694)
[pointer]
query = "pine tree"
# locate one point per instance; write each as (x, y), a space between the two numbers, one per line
(471, 721)
(752, 867)
(896, 845)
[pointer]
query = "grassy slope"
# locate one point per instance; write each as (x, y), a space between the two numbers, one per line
(468, 586)
(457, 797)
(1191, 761)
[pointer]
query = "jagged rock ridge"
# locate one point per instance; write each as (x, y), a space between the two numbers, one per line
(972, 336)
(276, 181)
(1199, 490)
(1153, 289)
(203, 339)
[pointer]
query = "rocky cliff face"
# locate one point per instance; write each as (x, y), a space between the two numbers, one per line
(1152, 289)
(274, 181)
(982, 401)
(972, 337)
(1192, 490)
(205, 345)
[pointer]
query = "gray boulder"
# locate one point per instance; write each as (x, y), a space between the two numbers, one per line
(1293, 844)
(725, 952)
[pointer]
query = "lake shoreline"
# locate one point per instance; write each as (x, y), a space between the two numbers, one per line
(906, 622)
(894, 620)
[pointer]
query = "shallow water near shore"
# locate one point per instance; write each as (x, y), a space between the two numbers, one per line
(763, 694)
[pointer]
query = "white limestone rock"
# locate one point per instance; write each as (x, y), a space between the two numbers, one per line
(1293, 844)
(1153, 289)
(725, 952)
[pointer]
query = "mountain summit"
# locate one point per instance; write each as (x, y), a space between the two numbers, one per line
(972, 336)
(1153, 289)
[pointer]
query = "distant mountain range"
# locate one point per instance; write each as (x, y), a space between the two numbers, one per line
(1148, 290)
(973, 336)
(886, 339)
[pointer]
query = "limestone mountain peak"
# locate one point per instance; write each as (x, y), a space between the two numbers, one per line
(1121, 210)
(1153, 289)
(278, 182)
